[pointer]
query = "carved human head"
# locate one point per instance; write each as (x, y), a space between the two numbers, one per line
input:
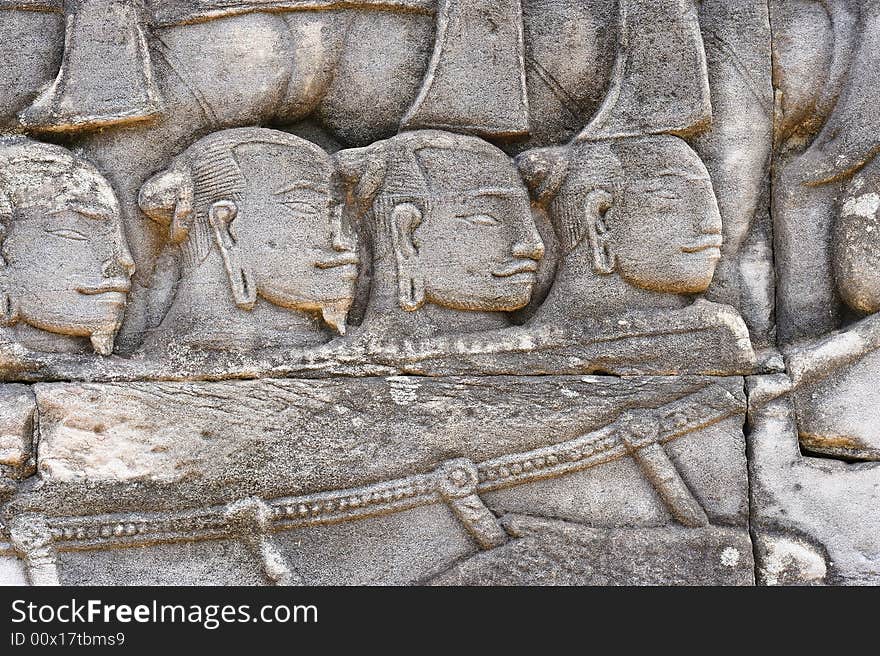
(643, 207)
(450, 214)
(65, 265)
(262, 198)
(856, 240)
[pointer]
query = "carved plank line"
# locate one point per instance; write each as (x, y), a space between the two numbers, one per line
(666, 479)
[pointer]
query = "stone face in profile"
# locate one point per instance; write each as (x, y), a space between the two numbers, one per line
(251, 212)
(65, 266)
(451, 229)
(637, 221)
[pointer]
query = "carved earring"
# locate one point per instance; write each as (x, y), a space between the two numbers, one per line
(598, 209)
(404, 220)
(411, 290)
(8, 309)
(241, 279)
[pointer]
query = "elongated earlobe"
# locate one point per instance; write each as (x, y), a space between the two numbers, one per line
(8, 309)
(241, 278)
(8, 306)
(598, 209)
(9, 314)
(404, 220)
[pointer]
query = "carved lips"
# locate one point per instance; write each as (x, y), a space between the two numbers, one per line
(347, 259)
(518, 271)
(711, 244)
(121, 286)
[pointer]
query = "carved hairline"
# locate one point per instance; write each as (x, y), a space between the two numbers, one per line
(364, 169)
(545, 170)
(240, 136)
(222, 144)
(50, 161)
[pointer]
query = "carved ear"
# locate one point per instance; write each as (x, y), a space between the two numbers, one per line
(598, 210)
(404, 220)
(167, 198)
(543, 170)
(241, 279)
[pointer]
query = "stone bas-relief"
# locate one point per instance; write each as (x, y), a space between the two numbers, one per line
(265, 233)
(277, 310)
(563, 446)
(451, 232)
(637, 224)
(828, 145)
(503, 98)
(66, 266)
(257, 241)
(815, 519)
(495, 71)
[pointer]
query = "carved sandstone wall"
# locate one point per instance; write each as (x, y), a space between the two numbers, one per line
(439, 292)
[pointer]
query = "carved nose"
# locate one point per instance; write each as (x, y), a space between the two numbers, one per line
(532, 249)
(126, 261)
(341, 241)
(710, 223)
(121, 264)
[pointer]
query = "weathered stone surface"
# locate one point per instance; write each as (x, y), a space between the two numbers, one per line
(401, 549)
(550, 552)
(702, 339)
(12, 569)
(17, 409)
(506, 325)
(365, 481)
(160, 445)
(816, 520)
(837, 415)
(214, 562)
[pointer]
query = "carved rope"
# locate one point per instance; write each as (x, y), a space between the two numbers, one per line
(457, 482)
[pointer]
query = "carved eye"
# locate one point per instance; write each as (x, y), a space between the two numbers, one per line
(480, 220)
(300, 208)
(68, 234)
